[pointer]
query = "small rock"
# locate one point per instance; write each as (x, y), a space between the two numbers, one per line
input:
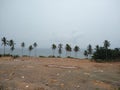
(77, 86)
(58, 74)
(27, 86)
(22, 77)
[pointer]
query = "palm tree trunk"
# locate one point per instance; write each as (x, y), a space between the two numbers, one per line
(53, 52)
(76, 54)
(29, 53)
(35, 52)
(4, 50)
(22, 52)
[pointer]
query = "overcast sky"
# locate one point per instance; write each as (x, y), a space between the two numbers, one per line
(77, 22)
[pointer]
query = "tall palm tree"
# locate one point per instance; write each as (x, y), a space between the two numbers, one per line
(11, 44)
(60, 49)
(68, 49)
(35, 45)
(4, 43)
(22, 45)
(86, 53)
(30, 48)
(97, 47)
(106, 45)
(76, 49)
(89, 49)
(53, 48)
(12, 49)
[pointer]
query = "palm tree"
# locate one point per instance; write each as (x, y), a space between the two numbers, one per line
(30, 48)
(4, 43)
(11, 44)
(86, 53)
(22, 45)
(97, 47)
(76, 49)
(68, 49)
(12, 49)
(106, 45)
(60, 49)
(53, 48)
(89, 49)
(35, 45)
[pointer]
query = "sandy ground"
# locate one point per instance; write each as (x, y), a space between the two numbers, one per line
(31, 73)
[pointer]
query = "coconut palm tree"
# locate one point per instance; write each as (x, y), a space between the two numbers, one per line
(12, 49)
(89, 50)
(53, 48)
(68, 49)
(11, 44)
(76, 49)
(4, 43)
(22, 45)
(30, 48)
(106, 45)
(60, 49)
(86, 53)
(97, 47)
(35, 45)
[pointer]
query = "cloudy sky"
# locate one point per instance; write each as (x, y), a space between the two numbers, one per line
(77, 22)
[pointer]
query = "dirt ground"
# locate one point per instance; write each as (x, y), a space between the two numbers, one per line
(30, 73)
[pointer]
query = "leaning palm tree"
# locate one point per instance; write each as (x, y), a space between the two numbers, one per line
(4, 43)
(106, 45)
(53, 48)
(30, 48)
(22, 45)
(76, 49)
(60, 49)
(89, 49)
(35, 45)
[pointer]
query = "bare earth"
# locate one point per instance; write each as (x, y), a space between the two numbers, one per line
(31, 73)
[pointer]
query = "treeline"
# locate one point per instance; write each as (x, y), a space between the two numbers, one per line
(103, 53)
(99, 53)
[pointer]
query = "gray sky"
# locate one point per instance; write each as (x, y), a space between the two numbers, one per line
(77, 22)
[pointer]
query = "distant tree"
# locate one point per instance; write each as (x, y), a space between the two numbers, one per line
(89, 50)
(30, 49)
(76, 49)
(12, 49)
(4, 43)
(22, 45)
(60, 49)
(35, 45)
(53, 48)
(86, 53)
(97, 47)
(68, 49)
(106, 45)
(11, 44)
